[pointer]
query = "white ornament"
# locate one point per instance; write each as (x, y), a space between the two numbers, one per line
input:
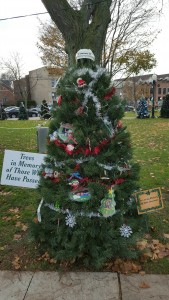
(53, 136)
(70, 147)
(70, 220)
(85, 53)
(48, 172)
(125, 230)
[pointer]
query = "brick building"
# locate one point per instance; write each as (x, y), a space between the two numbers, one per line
(133, 88)
(7, 97)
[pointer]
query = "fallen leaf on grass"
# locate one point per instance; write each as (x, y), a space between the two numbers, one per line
(166, 221)
(53, 261)
(142, 273)
(17, 237)
(144, 285)
(35, 220)
(125, 266)
(22, 226)
(142, 244)
(4, 193)
(153, 228)
(163, 254)
(153, 250)
(16, 263)
(6, 218)
(15, 217)
(146, 256)
(155, 242)
(166, 235)
(47, 258)
(14, 210)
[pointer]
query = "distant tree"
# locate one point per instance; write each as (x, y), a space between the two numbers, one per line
(164, 113)
(134, 61)
(5, 77)
(15, 75)
(23, 115)
(52, 45)
(14, 71)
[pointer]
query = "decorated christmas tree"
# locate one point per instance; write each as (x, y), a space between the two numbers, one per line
(164, 113)
(142, 109)
(23, 115)
(45, 114)
(88, 212)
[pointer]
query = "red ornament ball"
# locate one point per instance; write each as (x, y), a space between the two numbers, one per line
(81, 83)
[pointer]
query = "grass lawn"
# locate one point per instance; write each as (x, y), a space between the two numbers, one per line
(150, 143)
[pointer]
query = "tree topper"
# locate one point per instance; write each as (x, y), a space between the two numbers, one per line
(85, 53)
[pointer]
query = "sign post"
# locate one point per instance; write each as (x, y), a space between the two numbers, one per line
(21, 168)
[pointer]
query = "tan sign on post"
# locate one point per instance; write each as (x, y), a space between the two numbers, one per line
(149, 200)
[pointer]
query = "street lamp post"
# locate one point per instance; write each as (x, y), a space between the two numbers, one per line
(154, 78)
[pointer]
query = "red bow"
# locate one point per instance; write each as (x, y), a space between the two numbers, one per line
(110, 94)
(59, 100)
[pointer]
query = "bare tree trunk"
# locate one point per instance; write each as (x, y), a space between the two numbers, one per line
(84, 28)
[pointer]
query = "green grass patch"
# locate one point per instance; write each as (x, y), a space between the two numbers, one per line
(150, 143)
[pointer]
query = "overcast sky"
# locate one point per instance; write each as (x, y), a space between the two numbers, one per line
(20, 35)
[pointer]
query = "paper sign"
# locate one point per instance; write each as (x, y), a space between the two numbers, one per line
(149, 200)
(21, 168)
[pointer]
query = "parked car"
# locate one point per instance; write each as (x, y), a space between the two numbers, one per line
(33, 112)
(129, 108)
(14, 112)
(9, 108)
(38, 108)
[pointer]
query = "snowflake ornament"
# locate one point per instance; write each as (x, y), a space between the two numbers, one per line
(69, 148)
(125, 230)
(48, 172)
(70, 220)
(53, 136)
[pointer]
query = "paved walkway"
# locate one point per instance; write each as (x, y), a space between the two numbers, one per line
(82, 286)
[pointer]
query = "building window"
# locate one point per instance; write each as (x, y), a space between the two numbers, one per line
(168, 91)
(159, 91)
(4, 100)
(164, 91)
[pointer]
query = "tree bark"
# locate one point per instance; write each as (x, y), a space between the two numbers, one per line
(84, 28)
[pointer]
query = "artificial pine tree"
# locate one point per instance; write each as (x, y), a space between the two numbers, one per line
(87, 212)
(23, 115)
(142, 109)
(164, 113)
(45, 114)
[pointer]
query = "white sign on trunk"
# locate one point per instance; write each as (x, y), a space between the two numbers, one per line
(21, 168)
